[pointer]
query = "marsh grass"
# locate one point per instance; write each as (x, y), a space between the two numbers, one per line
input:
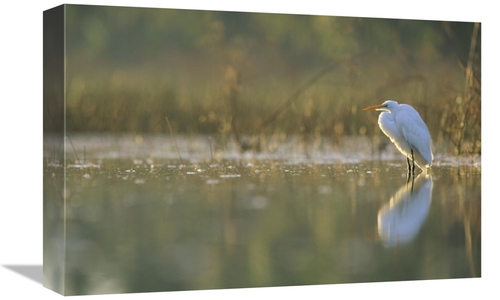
(247, 103)
(253, 77)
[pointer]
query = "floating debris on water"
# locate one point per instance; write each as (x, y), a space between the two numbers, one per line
(350, 150)
(230, 176)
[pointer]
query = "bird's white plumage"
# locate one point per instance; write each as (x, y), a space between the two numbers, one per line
(406, 129)
(400, 219)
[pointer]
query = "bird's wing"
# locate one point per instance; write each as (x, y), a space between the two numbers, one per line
(388, 125)
(415, 132)
(390, 128)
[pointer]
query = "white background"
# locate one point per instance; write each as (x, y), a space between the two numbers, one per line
(21, 146)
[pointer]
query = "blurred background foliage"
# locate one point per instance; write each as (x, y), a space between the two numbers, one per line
(228, 73)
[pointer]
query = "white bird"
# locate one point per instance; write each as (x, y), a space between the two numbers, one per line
(406, 129)
(399, 221)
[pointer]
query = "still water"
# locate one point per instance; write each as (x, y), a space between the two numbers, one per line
(137, 222)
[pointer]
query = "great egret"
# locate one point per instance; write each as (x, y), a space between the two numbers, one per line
(406, 129)
(401, 218)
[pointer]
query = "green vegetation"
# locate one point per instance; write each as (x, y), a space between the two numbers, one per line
(227, 73)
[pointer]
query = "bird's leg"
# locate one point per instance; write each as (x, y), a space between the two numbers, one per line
(413, 161)
(412, 183)
(409, 170)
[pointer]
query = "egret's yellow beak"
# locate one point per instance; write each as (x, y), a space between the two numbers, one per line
(373, 107)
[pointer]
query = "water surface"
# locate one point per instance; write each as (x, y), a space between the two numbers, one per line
(139, 221)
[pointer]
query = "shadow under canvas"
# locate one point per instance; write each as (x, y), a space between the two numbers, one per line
(33, 272)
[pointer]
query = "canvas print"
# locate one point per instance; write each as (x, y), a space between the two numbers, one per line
(193, 150)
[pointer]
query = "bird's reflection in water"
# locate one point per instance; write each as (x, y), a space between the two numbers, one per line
(400, 220)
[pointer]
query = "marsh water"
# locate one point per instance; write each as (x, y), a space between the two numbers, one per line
(152, 214)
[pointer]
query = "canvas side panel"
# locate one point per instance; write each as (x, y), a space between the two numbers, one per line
(53, 149)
